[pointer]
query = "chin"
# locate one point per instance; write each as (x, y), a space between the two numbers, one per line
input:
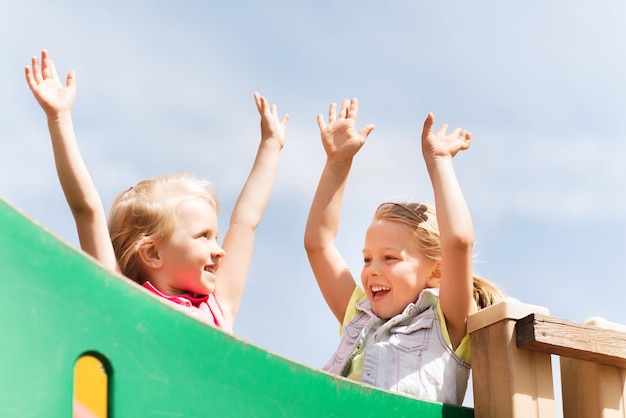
(386, 313)
(207, 289)
(383, 314)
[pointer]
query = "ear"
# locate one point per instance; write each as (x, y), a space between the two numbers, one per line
(435, 276)
(149, 255)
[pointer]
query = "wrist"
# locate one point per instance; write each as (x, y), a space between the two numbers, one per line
(434, 161)
(61, 115)
(273, 142)
(339, 161)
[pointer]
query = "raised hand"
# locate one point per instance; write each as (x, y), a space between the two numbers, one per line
(44, 82)
(441, 143)
(340, 138)
(271, 127)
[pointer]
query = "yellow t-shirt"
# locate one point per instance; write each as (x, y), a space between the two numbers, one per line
(462, 351)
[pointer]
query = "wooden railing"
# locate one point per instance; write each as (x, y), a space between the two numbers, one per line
(512, 344)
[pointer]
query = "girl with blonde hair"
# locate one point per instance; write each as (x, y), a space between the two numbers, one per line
(163, 232)
(405, 330)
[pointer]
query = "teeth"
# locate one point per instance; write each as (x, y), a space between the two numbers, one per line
(378, 288)
(210, 269)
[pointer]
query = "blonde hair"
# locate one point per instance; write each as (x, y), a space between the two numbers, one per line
(422, 219)
(144, 214)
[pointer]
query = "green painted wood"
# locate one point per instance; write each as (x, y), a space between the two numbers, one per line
(56, 304)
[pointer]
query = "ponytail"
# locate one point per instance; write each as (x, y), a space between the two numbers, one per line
(486, 293)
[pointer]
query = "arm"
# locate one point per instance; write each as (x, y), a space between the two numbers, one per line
(249, 209)
(57, 100)
(455, 225)
(341, 142)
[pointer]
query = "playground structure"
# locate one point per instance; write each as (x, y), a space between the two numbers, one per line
(60, 309)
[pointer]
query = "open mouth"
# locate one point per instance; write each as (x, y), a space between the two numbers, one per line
(379, 292)
(210, 269)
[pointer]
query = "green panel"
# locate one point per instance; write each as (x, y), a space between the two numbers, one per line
(56, 304)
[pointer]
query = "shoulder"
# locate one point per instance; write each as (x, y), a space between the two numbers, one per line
(351, 310)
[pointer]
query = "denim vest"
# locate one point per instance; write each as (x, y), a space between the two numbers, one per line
(406, 354)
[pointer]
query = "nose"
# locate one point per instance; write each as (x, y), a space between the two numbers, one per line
(218, 252)
(372, 269)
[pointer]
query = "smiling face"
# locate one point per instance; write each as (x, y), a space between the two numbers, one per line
(394, 272)
(190, 257)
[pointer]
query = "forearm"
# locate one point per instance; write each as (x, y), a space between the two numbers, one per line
(329, 268)
(455, 222)
(246, 216)
(341, 142)
(255, 194)
(75, 180)
(80, 192)
(457, 240)
(323, 221)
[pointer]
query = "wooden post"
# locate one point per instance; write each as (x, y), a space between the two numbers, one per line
(593, 389)
(507, 381)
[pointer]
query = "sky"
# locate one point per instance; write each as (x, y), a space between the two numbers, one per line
(168, 86)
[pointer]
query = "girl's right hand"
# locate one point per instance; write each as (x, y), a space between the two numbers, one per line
(340, 138)
(272, 128)
(54, 98)
(443, 144)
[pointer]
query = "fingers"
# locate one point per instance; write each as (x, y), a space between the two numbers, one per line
(463, 139)
(33, 74)
(29, 77)
(353, 110)
(332, 113)
(343, 111)
(349, 110)
(70, 81)
(269, 111)
(320, 122)
(460, 133)
(264, 106)
(366, 130)
(260, 101)
(428, 125)
(257, 101)
(47, 67)
(442, 129)
(448, 142)
(36, 71)
(53, 71)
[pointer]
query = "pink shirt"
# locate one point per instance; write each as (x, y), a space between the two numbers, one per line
(205, 308)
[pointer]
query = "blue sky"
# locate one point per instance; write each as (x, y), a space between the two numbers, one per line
(166, 86)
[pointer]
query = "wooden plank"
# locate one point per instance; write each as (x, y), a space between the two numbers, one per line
(592, 390)
(547, 334)
(508, 381)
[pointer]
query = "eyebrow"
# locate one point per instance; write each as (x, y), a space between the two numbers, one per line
(386, 249)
